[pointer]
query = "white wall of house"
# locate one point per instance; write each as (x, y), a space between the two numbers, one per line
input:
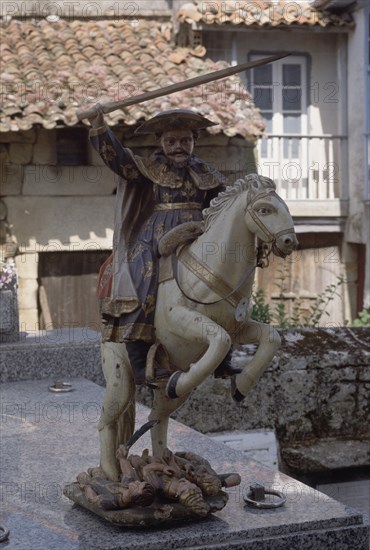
(358, 222)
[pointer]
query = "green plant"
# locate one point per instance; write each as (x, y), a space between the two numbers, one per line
(318, 308)
(363, 319)
(280, 316)
(261, 309)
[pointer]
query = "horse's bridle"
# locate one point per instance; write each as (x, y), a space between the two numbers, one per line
(271, 238)
(262, 252)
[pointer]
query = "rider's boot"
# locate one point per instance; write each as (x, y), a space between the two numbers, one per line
(137, 353)
(225, 369)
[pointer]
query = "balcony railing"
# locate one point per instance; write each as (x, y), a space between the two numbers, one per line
(310, 167)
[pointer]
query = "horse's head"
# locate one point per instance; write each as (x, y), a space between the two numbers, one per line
(267, 215)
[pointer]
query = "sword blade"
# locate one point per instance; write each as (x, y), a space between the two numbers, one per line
(179, 86)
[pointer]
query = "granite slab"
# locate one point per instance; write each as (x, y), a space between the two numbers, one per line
(57, 353)
(48, 438)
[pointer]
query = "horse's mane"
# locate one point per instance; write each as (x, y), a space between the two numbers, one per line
(253, 183)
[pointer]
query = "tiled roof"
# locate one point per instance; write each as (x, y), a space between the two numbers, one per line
(260, 13)
(51, 69)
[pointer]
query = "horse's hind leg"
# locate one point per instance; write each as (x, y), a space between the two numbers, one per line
(117, 419)
(162, 408)
(194, 327)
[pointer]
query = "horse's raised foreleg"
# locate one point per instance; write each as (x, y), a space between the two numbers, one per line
(268, 341)
(162, 408)
(117, 418)
(196, 327)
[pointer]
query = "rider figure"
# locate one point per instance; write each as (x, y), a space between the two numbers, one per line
(155, 194)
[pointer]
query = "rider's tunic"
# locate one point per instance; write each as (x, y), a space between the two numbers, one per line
(178, 195)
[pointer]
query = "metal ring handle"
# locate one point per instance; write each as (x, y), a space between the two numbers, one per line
(248, 499)
(61, 387)
(4, 533)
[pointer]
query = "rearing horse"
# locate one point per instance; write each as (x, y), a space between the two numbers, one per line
(202, 311)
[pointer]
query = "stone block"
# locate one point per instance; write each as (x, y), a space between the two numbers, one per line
(28, 136)
(4, 155)
(27, 265)
(9, 329)
(58, 353)
(28, 293)
(28, 320)
(69, 180)
(238, 160)
(11, 178)
(54, 224)
(44, 150)
(20, 153)
(32, 418)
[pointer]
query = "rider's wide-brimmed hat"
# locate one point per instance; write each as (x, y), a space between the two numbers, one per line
(175, 119)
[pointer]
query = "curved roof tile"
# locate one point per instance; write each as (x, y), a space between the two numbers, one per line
(261, 13)
(52, 69)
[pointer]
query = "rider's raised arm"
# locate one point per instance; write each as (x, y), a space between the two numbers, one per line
(115, 156)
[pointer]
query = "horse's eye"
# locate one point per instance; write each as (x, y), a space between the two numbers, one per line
(263, 210)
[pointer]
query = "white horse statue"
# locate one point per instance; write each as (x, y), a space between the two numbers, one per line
(202, 312)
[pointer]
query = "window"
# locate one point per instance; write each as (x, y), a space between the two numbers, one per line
(72, 146)
(279, 89)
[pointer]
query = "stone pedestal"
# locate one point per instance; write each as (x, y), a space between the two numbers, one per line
(49, 438)
(9, 317)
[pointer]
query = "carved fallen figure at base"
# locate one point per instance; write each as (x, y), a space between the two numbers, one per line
(175, 486)
(201, 311)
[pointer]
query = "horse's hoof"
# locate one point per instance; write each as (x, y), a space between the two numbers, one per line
(235, 393)
(171, 386)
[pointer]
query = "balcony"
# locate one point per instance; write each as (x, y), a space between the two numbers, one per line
(310, 172)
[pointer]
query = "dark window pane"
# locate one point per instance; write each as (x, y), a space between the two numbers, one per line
(262, 75)
(263, 98)
(268, 119)
(72, 146)
(292, 99)
(291, 75)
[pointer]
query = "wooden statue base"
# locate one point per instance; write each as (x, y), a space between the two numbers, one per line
(159, 512)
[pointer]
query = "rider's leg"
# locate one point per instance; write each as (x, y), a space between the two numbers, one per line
(226, 369)
(137, 353)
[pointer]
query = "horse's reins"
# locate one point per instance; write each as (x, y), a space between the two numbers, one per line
(261, 255)
(243, 280)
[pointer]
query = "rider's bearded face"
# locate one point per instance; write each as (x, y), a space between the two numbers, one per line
(177, 145)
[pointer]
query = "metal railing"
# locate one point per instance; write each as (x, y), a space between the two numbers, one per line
(310, 167)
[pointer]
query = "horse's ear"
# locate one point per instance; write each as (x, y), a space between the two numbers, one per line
(256, 183)
(253, 182)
